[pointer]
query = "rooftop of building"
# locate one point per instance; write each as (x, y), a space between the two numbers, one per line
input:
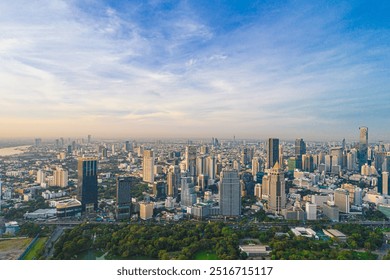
(335, 233)
(68, 203)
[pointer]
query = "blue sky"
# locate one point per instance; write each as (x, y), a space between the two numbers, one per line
(254, 69)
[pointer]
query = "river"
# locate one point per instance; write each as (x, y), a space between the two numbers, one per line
(10, 151)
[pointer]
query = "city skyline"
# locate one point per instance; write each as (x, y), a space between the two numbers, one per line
(194, 69)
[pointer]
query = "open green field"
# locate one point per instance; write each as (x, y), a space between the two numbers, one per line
(11, 249)
(31, 255)
(205, 255)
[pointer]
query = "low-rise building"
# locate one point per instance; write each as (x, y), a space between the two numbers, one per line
(201, 210)
(11, 228)
(254, 250)
(335, 234)
(68, 208)
(41, 214)
(305, 232)
(293, 213)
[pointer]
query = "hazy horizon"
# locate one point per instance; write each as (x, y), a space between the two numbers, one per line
(179, 69)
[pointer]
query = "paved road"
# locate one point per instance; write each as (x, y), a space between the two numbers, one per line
(49, 249)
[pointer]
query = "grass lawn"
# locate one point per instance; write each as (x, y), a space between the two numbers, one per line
(9, 244)
(36, 248)
(11, 249)
(205, 255)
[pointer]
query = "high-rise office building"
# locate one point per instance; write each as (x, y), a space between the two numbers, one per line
(307, 163)
(188, 195)
(386, 163)
(230, 193)
(272, 152)
(245, 156)
(300, 149)
(87, 192)
(204, 150)
(277, 193)
(363, 146)
(211, 166)
(200, 165)
(159, 190)
(123, 196)
(128, 146)
(202, 182)
(191, 160)
(148, 166)
(351, 160)
(328, 163)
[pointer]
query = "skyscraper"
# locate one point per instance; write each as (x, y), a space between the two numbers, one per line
(123, 197)
(300, 149)
(148, 166)
(244, 156)
(128, 146)
(201, 165)
(272, 152)
(191, 160)
(307, 163)
(171, 184)
(188, 195)
(363, 146)
(211, 166)
(277, 193)
(230, 193)
(352, 160)
(87, 192)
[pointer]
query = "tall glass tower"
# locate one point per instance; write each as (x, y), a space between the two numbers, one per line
(87, 192)
(363, 146)
(272, 152)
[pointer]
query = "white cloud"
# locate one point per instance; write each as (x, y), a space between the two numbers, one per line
(112, 70)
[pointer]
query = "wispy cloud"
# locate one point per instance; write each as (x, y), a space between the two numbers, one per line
(147, 68)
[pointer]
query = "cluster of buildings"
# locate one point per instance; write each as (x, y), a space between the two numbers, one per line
(290, 180)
